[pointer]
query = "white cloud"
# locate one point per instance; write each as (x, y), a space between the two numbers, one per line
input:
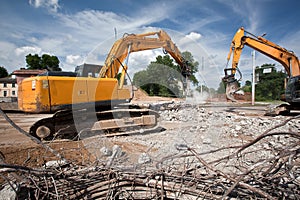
(140, 60)
(96, 25)
(71, 61)
(13, 57)
(190, 38)
(74, 59)
(91, 33)
(51, 5)
(55, 45)
(194, 36)
(25, 50)
(79, 33)
(6, 49)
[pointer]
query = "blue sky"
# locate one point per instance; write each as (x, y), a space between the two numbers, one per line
(83, 31)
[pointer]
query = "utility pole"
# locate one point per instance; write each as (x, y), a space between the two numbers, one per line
(253, 78)
(202, 69)
(116, 36)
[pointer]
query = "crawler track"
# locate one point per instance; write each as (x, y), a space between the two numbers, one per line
(81, 123)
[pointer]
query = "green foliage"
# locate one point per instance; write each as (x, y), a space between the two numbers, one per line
(162, 77)
(158, 80)
(48, 62)
(270, 85)
(51, 62)
(248, 83)
(247, 87)
(3, 72)
(221, 89)
(193, 65)
(33, 61)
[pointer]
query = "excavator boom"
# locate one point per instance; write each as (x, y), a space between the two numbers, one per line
(73, 98)
(139, 42)
(286, 58)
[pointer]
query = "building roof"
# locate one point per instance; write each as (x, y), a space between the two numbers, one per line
(8, 80)
(29, 72)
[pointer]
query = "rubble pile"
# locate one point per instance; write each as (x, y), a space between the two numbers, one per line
(232, 123)
(206, 128)
(199, 152)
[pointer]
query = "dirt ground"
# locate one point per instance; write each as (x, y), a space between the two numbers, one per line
(201, 125)
(18, 149)
(193, 123)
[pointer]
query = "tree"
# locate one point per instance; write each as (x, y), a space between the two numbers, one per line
(158, 79)
(247, 87)
(162, 77)
(48, 62)
(221, 89)
(248, 83)
(33, 61)
(3, 72)
(193, 65)
(270, 85)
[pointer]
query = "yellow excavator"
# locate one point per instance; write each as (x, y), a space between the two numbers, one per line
(286, 58)
(94, 104)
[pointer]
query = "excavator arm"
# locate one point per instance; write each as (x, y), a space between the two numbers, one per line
(88, 105)
(287, 58)
(139, 42)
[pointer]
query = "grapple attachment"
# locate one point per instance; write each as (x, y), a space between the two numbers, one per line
(232, 85)
(231, 89)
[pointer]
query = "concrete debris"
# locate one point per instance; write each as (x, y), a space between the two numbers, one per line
(106, 151)
(207, 141)
(55, 163)
(7, 193)
(196, 139)
(144, 158)
(203, 127)
(117, 151)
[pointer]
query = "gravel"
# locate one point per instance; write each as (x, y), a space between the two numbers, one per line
(202, 127)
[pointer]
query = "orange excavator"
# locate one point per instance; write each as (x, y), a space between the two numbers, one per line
(94, 104)
(286, 58)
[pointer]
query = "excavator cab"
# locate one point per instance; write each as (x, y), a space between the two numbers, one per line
(94, 99)
(292, 92)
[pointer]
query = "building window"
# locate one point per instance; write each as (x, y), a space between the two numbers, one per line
(4, 84)
(13, 93)
(4, 93)
(13, 85)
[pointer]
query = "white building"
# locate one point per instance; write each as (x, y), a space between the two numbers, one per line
(8, 89)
